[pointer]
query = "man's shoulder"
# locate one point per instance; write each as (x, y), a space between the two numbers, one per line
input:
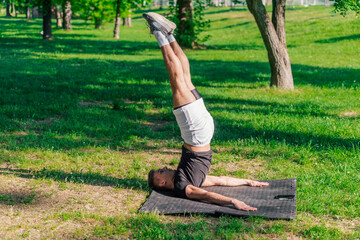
(180, 184)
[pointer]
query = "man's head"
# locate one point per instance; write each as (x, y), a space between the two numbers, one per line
(161, 179)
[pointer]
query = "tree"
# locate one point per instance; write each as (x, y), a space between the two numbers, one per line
(47, 34)
(188, 15)
(124, 10)
(8, 14)
(346, 6)
(184, 15)
(99, 11)
(273, 35)
(28, 9)
(58, 11)
(127, 20)
(117, 20)
(67, 12)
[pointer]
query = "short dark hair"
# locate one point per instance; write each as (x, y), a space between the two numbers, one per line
(151, 182)
(151, 178)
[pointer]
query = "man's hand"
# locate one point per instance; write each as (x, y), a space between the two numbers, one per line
(257, 184)
(242, 206)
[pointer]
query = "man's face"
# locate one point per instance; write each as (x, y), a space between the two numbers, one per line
(161, 177)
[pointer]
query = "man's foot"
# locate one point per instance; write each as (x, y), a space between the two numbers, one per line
(159, 23)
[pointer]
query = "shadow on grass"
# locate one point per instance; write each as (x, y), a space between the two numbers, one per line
(65, 45)
(94, 179)
(245, 130)
(16, 197)
(338, 39)
(125, 105)
(72, 103)
(268, 107)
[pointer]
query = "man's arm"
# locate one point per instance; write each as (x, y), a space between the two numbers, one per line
(231, 182)
(193, 192)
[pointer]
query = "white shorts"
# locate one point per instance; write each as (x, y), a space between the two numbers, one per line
(195, 122)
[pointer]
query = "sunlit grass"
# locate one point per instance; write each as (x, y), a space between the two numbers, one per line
(85, 116)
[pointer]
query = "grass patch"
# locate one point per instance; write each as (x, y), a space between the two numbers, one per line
(84, 117)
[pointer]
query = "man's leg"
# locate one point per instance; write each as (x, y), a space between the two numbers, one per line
(183, 59)
(183, 90)
(181, 93)
(161, 28)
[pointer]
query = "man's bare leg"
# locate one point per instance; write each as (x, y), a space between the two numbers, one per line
(187, 79)
(184, 63)
(181, 86)
(181, 93)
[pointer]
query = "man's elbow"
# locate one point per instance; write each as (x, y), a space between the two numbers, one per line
(193, 193)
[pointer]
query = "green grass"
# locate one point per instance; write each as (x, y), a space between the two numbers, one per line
(84, 117)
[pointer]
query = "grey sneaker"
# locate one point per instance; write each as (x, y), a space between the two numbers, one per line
(159, 23)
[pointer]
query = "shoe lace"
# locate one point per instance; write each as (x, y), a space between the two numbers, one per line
(148, 26)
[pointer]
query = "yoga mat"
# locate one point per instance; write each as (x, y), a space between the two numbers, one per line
(277, 201)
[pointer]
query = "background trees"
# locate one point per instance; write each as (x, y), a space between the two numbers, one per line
(67, 12)
(47, 12)
(273, 35)
(98, 11)
(117, 20)
(189, 18)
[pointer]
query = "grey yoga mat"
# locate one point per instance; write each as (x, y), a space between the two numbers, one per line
(277, 201)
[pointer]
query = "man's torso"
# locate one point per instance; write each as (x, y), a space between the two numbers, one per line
(192, 170)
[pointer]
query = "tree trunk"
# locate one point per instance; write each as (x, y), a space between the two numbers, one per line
(28, 9)
(8, 14)
(281, 75)
(28, 13)
(117, 20)
(13, 9)
(185, 30)
(58, 16)
(67, 16)
(35, 12)
(47, 35)
(98, 23)
(127, 21)
(278, 19)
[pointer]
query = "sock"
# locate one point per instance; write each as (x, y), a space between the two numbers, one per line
(161, 38)
(171, 38)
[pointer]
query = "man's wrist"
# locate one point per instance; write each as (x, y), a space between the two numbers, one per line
(233, 201)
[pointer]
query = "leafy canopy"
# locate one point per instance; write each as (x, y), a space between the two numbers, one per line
(346, 6)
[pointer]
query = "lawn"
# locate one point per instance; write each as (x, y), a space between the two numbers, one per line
(84, 117)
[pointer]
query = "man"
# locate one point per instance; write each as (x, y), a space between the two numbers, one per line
(196, 125)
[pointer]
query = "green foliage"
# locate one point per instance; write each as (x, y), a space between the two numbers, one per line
(101, 11)
(98, 11)
(200, 23)
(20, 5)
(194, 27)
(346, 6)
